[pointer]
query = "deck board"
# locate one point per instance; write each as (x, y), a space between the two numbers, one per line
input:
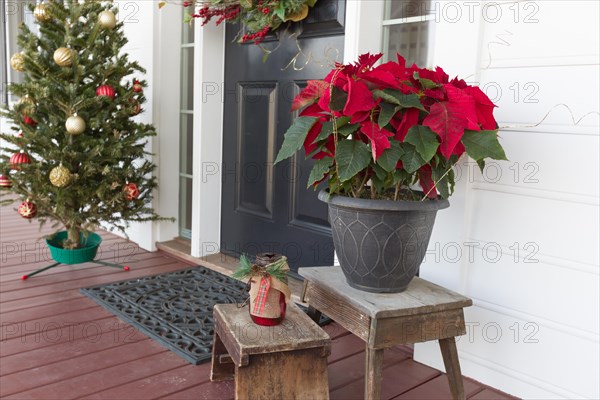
(57, 344)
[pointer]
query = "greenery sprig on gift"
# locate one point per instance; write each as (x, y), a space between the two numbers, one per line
(276, 269)
(258, 17)
(378, 131)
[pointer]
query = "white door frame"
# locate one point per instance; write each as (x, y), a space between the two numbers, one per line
(209, 70)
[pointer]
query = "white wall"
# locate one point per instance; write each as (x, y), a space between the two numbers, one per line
(532, 223)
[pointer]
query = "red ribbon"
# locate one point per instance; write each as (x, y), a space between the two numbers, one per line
(261, 297)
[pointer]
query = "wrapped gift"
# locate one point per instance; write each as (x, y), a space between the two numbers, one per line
(269, 292)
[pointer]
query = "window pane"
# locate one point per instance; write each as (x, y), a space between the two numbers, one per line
(188, 33)
(187, 78)
(186, 144)
(185, 206)
(410, 40)
(408, 9)
(3, 57)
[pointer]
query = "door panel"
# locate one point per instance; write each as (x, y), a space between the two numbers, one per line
(266, 207)
(255, 140)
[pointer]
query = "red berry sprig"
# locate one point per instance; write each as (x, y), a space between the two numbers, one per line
(228, 13)
(257, 37)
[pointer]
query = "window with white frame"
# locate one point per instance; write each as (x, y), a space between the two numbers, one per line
(186, 134)
(3, 54)
(408, 30)
(13, 13)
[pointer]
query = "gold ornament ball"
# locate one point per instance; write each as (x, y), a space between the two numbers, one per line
(75, 125)
(27, 100)
(60, 176)
(41, 13)
(64, 56)
(28, 105)
(107, 19)
(17, 62)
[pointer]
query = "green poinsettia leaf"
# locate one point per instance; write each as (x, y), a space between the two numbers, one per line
(338, 99)
(399, 98)
(424, 139)
(426, 83)
(440, 178)
(380, 172)
(294, 137)
(481, 164)
(328, 128)
(348, 129)
(352, 157)
(386, 114)
(311, 3)
(389, 158)
(319, 170)
(411, 159)
(451, 180)
(483, 144)
(378, 183)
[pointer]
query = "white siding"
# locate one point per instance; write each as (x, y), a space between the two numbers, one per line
(528, 229)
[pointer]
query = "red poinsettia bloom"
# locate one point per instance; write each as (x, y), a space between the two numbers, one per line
(390, 124)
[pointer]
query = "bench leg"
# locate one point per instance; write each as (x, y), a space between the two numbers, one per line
(222, 367)
(373, 367)
(297, 374)
(452, 364)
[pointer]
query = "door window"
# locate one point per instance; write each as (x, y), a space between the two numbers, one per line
(407, 30)
(186, 131)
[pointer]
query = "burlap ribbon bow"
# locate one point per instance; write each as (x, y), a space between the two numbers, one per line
(265, 289)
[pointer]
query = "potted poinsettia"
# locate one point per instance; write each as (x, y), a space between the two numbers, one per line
(385, 139)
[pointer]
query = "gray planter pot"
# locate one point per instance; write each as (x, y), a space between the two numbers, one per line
(380, 243)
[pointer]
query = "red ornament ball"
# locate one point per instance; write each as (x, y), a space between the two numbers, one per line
(131, 191)
(5, 182)
(106, 91)
(27, 210)
(27, 120)
(137, 87)
(18, 159)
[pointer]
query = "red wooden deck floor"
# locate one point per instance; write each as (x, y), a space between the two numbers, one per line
(57, 344)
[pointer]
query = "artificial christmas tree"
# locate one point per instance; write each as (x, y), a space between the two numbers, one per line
(79, 145)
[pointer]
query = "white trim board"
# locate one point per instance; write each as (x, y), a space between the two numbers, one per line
(209, 70)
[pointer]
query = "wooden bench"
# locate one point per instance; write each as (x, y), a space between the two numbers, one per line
(424, 311)
(287, 361)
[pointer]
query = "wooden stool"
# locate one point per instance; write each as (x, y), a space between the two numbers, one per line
(422, 312)
(287, 361)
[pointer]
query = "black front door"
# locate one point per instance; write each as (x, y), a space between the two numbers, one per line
(268, 208)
